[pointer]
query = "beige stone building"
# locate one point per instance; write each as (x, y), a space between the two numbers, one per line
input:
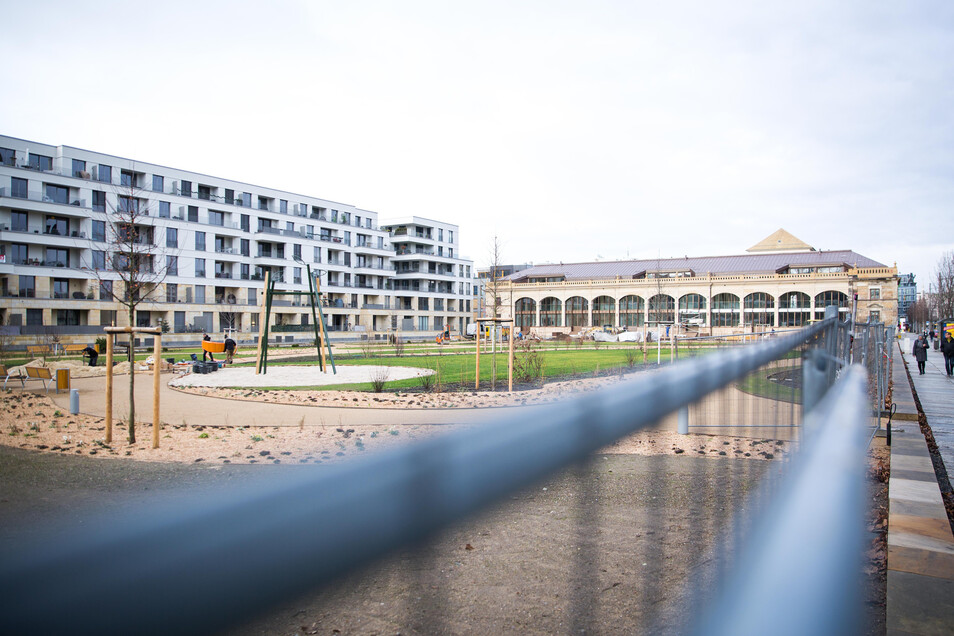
(778, 283)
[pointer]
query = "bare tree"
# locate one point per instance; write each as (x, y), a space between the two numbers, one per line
(943, 297)
(135, 262)
(492, 288)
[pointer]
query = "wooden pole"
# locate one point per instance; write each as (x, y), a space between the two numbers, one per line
(321, 322)
(261, 327)
(156, 366)
(510, 359)
(477, 378)
(109, 388)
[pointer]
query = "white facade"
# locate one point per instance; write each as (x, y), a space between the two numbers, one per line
(210, 240)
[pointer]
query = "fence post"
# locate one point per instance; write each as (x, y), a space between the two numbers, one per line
(814, 380)
(683, 426)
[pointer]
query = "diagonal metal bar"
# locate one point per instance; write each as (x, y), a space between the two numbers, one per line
(209, 563)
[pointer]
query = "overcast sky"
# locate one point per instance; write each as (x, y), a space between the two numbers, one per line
(573, 131)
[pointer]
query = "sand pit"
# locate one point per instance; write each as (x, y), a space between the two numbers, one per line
(280, 376)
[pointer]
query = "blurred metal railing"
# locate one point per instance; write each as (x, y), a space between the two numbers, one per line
(204, 565)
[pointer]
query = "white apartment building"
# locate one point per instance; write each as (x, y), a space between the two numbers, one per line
(210, 242)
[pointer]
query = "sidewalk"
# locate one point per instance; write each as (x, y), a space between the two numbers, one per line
(920, 594)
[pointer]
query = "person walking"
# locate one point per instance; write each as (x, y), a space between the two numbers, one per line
(947, 348)
(229, 349)
(920, 353)
(206, 338)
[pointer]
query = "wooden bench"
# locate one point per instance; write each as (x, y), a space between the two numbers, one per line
(6, 376)
(39, 350)
(43, 374)
(74, 348)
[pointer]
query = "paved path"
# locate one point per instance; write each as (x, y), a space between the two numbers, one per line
(920, 543)
(177, 407)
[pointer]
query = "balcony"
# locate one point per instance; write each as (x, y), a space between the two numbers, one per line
(223, 275)
(41, 198)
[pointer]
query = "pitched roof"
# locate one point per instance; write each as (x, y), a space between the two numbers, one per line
(781, 241)
(759, 263)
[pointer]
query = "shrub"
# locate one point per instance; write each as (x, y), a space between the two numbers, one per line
(527, 362)
(632, 354)
(379, 377)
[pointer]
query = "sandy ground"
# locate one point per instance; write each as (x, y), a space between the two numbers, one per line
(31, 420)
(297, 376)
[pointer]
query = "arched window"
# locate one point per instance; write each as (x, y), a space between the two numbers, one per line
(759, 309)
(551, 312)
(794, 309)
(576, 311)
(604, 311)
(692, 310)
(632, 311)
(525, 312)
(662, 310)
(836, 298)
(725, 310)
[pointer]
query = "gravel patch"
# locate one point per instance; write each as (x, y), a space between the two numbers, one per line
(296, 376)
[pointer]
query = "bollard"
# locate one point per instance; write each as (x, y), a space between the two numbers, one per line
(74, 401)
(683, 425)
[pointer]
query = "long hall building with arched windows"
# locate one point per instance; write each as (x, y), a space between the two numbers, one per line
(778, 283)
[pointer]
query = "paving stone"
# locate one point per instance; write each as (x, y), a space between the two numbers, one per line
(926, 601)
(917, 561)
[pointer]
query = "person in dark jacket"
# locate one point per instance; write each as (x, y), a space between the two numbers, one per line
(229, 350)
(92, 354)
(920, 353)
(947, 348)
(206, 338)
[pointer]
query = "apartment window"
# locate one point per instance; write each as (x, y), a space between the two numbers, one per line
(247, 199)
(27, 286)
(422, 304)
(106, 291)
(874, 316)
(7, 156)
(200, 294)
(874, 293)
(450, 236)
(317, 257)
(200, 241)
(422, 323)
(57, 226)
(283, 206)
(99, 260)
(296, 252)
(229, 196)
(126, 178)
(57, 194)
(18, 253)
(41, 162)
(172, 292)
(440, 234)
(297, 276)
(105, 173)
(158, 183)
(61, 288)
(290, 226)
(18, 221)
(244, 271)
(18, 188)
(245, 223)
(216, 218)
(79, 167)
(200, 268)
(262, 203)
(57, 257)
(450, 252)
(99, 201)
(128, 205)
(440, 251)
(185, 188)
(265, 250)
(172, 237)
(205, 193)
(347, 258)
(244, 246)
(193, 213)
(34, 317)
(164, 210)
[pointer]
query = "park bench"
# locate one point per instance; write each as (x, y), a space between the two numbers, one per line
(6, 375)
(43, 374)
(74, 349)
(39, 350)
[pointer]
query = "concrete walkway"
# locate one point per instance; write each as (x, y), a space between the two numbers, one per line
(920, 594)
(176, 407)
